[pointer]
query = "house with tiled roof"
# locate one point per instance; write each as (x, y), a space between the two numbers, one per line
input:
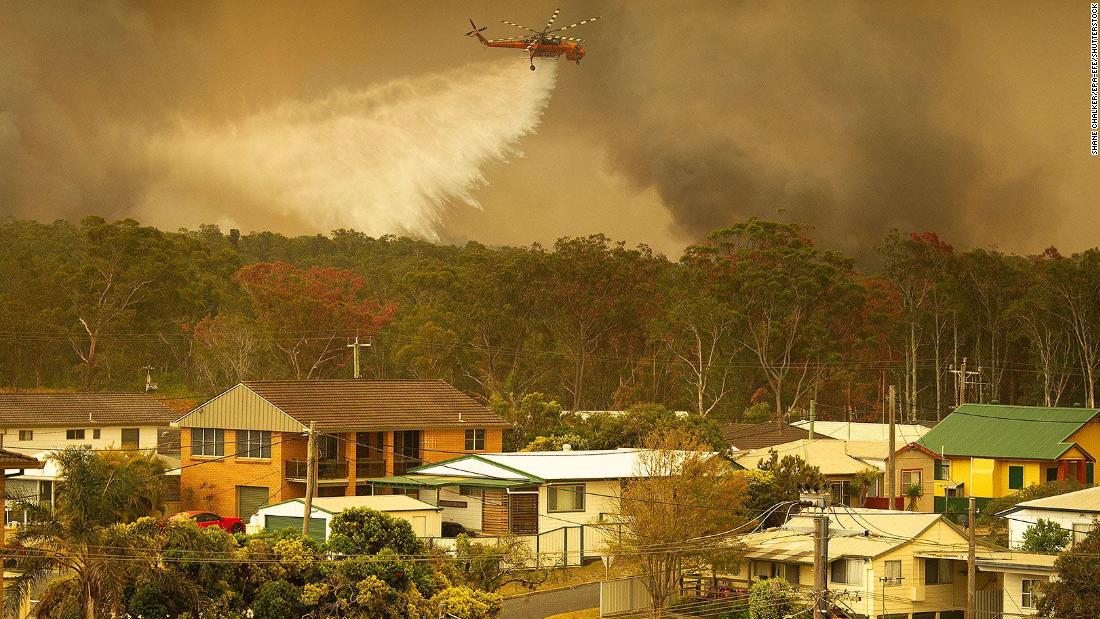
(992, 450)
(748, 436)
(247, 446)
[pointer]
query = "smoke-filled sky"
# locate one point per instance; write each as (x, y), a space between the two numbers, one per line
(970, 119)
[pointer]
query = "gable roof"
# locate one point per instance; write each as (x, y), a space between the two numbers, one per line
(348, 404)
(1001, 431)
(542, 466)
(1087, 500)
(828, 454)
(858, 431)
(82, 409)
(756, 435)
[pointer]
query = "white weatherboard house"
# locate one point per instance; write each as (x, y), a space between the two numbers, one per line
(424, 518)
(563, 501)
(1073, 511)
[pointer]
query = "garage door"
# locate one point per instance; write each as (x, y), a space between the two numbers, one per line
(250, 499)
(278, 523)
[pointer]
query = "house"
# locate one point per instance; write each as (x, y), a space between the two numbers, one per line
(1019, 576)
(885, 563)
(992, 450)
(747, 436)
(916, 465)
(425, 519)
(247, 446)
(561, 499)
(1073, 511)
(839, 461)
(856, 431)
(36, 424)
(11, 462)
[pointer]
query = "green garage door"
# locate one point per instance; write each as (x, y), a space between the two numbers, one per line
(278, 523)
(250, 499)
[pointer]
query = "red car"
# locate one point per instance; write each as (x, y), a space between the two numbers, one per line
(207, 519)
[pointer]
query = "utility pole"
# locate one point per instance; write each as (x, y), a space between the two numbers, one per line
(961, 378)
(971, 569)
(311, 474)
(355, 354)
(149, 384)
(821, 566)
(813, 414)
(891, 469)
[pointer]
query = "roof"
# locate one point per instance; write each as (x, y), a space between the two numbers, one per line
(13, 460)
(829, 455)
(355, 404)
(999, 560)
(756, 435)
(378, 502)
(438, 481)
(82, 409)
(1011, 432)
(542, 466)
(856, 431)
(1087, 500)
(853, 532)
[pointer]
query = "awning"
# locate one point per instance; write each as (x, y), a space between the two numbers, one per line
(438, 481)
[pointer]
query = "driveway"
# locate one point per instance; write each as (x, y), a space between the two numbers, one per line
(545, 603)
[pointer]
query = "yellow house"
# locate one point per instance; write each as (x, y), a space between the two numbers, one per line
(882, 563)
(992, 450)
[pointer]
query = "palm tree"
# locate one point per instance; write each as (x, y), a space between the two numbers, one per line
(86, 547)
(913, 492)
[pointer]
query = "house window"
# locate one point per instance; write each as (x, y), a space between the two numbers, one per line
(911, 478)
(253, 444)
(1015, 477)
(95, 434)
(1028, 588)
(207, 442)
(892, 574)
(838, 491)
(26, 435)
(847, 572)
(406, 451)
(328, 447)
(565, 498)
(470, 491)
(943, 470)
(789, 572)
(1052, 473)
(475, 440)
(130, 438)
(937, 572)
(74, 435)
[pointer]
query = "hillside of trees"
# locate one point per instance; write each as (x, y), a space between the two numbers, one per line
(757, 319)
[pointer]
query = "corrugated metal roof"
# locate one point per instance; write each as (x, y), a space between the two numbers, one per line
(829, 455)
(437, 481)
(537, 466)
(82, 409)
(344, 405)
(1001, 431)
(1087, 500)
(857, 431)
(755, 435)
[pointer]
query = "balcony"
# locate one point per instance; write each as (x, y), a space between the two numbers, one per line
(326, 469)
(370, 467)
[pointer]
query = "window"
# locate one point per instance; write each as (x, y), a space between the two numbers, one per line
(847, 572)
(1027, 592)
(838, 491)
(910, 478)
(206, 517)
(95, 433)
(26, 435)
(1015, 477)
(328, 447)
(1052, 473)
(475, 440)
(892, 574)
(565, 498)
(130, 438)
(253, 444)
(943, 470)
(406, 451)
(789, 572)
(207, 442)
(74, 435)
(1090, 474)
(470, 491)
(937, 572)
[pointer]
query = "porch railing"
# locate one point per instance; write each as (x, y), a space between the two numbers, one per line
(326, 469)
(370, 467)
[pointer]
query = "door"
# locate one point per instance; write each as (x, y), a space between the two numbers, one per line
(250, 499)
(294, 523)
(419, 525)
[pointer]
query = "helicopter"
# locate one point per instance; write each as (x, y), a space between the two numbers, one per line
(546, 43)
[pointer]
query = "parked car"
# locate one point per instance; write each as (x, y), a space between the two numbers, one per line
(454, 529)
(207, 519)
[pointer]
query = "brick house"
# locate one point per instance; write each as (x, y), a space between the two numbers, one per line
(247, 446)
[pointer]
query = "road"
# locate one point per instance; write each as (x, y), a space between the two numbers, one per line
(545, 603)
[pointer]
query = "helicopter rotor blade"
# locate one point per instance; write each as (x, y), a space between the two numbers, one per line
(504, 21)
(552, 18)
(574, 39)
(507, 39)
(580, 23)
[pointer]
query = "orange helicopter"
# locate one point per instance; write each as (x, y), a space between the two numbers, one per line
(545, 44)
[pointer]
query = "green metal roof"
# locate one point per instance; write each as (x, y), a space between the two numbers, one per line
(1010, 432)
(437, 481)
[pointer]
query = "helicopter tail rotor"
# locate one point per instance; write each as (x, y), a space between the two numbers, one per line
(476, 31)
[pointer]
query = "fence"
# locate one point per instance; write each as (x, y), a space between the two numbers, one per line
(989, 604)
(622, 596)
(559, 547)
